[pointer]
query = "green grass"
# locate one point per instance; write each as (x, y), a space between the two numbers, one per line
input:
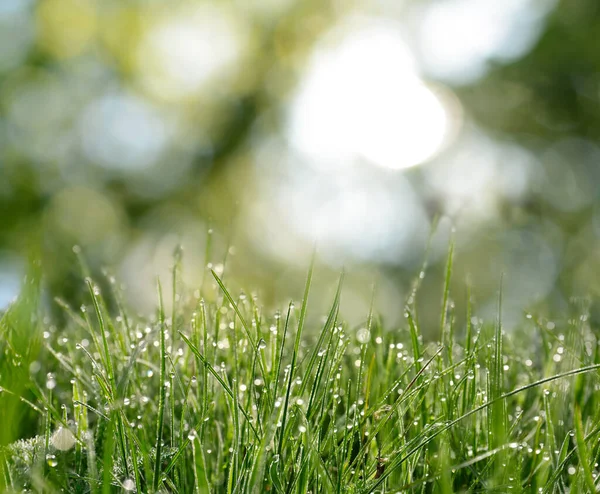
(227, 396)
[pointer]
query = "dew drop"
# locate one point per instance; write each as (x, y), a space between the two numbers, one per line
(129, 485)
(363, 335)
(50, 381)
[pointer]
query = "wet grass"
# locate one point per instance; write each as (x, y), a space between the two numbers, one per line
(228, 397)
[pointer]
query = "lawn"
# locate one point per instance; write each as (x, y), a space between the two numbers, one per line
(229, 396)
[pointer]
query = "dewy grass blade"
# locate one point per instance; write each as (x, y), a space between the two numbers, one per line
(448, 426)
(103, 331)
(293, 369)
(233, 464)
(162, 390)
(120, 429)
(582, 452)
(229, 298)
(216, 375)
(327, 328)
(565, 458)
(392, 409)
(444, 325)
(245, 325)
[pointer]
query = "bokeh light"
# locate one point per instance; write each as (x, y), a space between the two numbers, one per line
(66, 27)
(127, 127)
(121, 131)
(85, 216)
(194, 48)
(572, 174)
(473, 178)
(358, 212)
(459, 40)
(17, 32)
(361, 98)
(11, 274)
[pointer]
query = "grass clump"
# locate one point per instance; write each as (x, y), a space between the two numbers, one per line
(226, 397)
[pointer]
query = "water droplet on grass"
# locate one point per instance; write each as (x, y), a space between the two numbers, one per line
(129, 485)
(363, 335)
(50, 381)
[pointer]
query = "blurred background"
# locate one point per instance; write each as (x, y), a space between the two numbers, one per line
(252, 130)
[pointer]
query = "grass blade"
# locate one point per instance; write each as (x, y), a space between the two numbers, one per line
(162, 390)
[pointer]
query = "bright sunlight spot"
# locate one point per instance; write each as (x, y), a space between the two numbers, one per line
(458, 38)
(361, 98)
(188, 50)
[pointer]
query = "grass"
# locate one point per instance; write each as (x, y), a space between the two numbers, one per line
(225, 396)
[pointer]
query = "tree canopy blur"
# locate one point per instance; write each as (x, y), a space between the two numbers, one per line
(252, 130)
